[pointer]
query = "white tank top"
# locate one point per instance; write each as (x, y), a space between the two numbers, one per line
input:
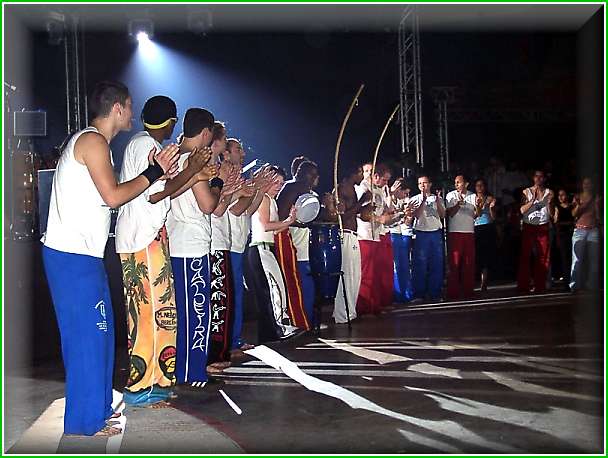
(79, 220)
(189, 229)
(220, 232)
(239, 231)
(258, 234)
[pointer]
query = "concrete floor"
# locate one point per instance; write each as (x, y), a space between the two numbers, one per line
(514, 375)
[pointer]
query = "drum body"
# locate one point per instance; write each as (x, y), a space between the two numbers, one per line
(325, 258)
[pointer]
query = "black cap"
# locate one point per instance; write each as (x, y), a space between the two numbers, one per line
(157, 112)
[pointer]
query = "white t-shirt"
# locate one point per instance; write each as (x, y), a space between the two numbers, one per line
(189, 229)
(139, 221)
(220, 232)
(364, 228)
(388, 203)
(464, 220)
(402, 229)
(301, 239)
(539, 213)
(428, 219)
(239, 231)
(79, 219)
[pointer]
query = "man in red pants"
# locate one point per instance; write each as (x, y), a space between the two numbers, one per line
(460, 209)
(536, 208)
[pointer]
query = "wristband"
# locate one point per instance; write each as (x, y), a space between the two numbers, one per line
(216, 182)
(153, 172)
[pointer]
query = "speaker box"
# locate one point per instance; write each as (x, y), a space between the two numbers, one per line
(29, 124)
(45, 185)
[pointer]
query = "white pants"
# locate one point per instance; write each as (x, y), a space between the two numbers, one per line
(351, 266)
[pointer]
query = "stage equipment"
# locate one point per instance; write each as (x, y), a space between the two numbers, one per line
(29, 123)
(410, 85)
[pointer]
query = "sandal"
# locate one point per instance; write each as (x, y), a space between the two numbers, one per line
(214, 370)
(159, 405)
(108, 431)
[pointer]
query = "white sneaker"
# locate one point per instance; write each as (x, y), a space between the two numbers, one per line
(323, 326)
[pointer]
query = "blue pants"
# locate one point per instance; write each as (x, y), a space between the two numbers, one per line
(427, 266)
(192, 296)
(308, 290)
(81, 297)
(585, 253)
(402, 276)
(236, 260)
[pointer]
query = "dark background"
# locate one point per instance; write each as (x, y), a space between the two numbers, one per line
(285, 93)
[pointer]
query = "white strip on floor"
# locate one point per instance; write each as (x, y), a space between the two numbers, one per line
(46, 432)
(448, 428)
(373, 355)
(231, 403)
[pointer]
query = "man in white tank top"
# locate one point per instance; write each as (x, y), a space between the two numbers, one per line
(84, 190)
(536, 208)
(189, 230)
(222, 282)
(240, 212)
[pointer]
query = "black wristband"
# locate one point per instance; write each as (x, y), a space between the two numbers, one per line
(153, 172)
(216, 182)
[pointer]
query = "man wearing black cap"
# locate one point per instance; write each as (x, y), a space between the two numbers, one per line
(141, 241)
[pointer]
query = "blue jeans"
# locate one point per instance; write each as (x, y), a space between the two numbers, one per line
(428, 264)
(402, 245)
(585, 253)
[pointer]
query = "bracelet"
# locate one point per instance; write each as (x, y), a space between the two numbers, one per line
(153, 172)
(216, 182)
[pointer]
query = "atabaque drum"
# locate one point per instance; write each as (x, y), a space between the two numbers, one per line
(325, 254)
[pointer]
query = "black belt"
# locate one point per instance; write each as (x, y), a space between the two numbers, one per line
(349, 231)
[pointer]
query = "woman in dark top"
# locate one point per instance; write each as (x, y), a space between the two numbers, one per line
(485, 231)
(564, 224)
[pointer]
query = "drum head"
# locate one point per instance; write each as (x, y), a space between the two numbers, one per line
(307, 208)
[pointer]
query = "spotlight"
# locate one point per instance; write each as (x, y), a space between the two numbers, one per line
(142, 36)
(141, 29)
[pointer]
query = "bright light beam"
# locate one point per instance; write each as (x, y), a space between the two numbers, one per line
(146, 47)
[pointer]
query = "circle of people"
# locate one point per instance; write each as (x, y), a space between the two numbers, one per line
(192, 233)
